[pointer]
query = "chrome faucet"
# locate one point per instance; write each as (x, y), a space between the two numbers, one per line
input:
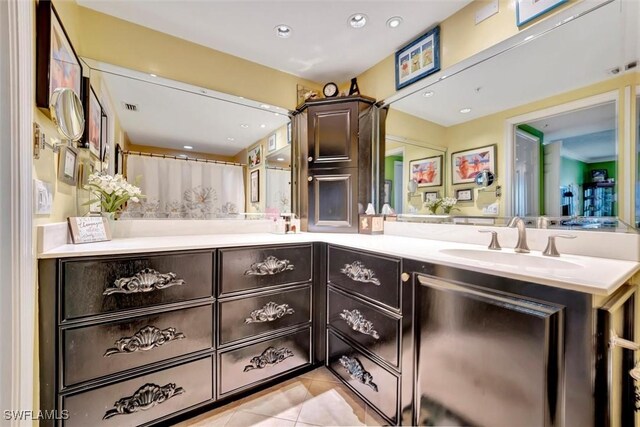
(521, 246)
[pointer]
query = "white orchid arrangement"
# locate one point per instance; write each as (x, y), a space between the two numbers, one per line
(112, 192)
(433, 205)
(448, 205)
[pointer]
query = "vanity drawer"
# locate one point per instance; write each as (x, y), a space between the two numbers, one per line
(371, 276)
(245, 269)
(246, 317)
(107, 285)
(375, 330)
(96, 351)
(372, 382)
(253, 364)
(146, 398)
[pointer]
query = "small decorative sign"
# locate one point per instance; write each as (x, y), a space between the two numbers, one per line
(89, 229)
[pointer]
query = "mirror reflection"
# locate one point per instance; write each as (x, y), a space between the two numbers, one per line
(544, 117)
(195, 153)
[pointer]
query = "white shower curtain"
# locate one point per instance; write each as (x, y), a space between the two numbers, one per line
(185, 189)
(278, 191)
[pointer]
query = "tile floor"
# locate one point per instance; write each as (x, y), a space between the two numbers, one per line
(316, 398)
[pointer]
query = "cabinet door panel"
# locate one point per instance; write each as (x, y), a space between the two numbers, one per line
(333, 204)
(480, 349)
(333, 135)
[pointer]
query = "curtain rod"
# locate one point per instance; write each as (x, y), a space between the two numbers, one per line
(192, 159)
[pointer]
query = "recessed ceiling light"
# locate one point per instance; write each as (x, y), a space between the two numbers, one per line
(283, 31)
(394, 22)
(428, 94)
(231, 139)
(265, 106)
(244, 125)
(188, 147)
(465, 110)
(358, 20)
(263, 126)
(280, 159)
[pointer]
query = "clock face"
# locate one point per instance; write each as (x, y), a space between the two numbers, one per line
(330, 90)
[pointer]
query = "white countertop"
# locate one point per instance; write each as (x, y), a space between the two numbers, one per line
(597, 276)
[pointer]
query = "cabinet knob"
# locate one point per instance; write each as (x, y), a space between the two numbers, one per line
(405, 277)
(310, 159)
(310, 179)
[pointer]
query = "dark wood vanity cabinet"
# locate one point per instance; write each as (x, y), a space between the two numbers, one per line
(335, 161)
(138, 339)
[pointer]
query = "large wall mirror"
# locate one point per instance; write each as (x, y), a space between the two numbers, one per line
(195, 153)
(551, 114)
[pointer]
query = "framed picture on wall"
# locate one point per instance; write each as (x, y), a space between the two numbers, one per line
(388, 185)
(464, 195)
(57, 64)
(418, 59)
(467, 164)
(528, 10)
(426, 172)
(254, 158)
(93, 124)
(68, 165)
(271, 143)
(255, 186)
(429, 196)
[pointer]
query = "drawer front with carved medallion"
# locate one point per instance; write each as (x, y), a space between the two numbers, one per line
(245, 317)
(245, 269)
(372, 382)
(253, 364)
(99, 350)
(374, 277)
(375, 330)
(143, 399)
(106, 285)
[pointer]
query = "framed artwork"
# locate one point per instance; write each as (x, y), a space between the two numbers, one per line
(93, 124)
(289, 133)
(418, 59)
(464, 195)
(68, 165)
(104, 141)
(465, 165)
(388, 185)
(599, 175)
(118, 160)
(254, 158)
(429, 196)
(271, 143)
(255, 186)
(426, 172)
(528, 10)
(57, 64)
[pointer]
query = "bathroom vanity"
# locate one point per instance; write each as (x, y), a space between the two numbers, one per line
(143, 330)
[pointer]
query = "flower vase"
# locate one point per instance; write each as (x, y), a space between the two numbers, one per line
(111, 219)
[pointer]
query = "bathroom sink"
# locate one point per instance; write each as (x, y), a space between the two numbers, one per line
(511, 259)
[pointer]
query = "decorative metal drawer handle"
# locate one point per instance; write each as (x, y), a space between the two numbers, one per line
(270, 266)
(357, 371)
(358, 272)
(271, 356)
(270, 312)
(146, 280)
(146, 397)
(145, 339)
(357, 322)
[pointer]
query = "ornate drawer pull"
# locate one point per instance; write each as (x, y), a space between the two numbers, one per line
(270, 266)
(357, 322)
(146, 280)
(270, 312)
(145, 339)
(146, 397)
(356, 371)
(270, 356)
(357, 271)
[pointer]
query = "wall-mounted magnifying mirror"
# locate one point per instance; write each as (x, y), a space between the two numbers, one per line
(67, 113)
(485, 179)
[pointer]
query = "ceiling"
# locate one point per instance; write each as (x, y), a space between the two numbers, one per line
(588, 135)
(322, 47)
(568, 57)
(171, 118)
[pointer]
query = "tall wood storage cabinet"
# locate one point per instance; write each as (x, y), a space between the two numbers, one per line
(335, 159)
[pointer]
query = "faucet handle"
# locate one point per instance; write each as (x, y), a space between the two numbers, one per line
(494, 245)
(551, 249)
